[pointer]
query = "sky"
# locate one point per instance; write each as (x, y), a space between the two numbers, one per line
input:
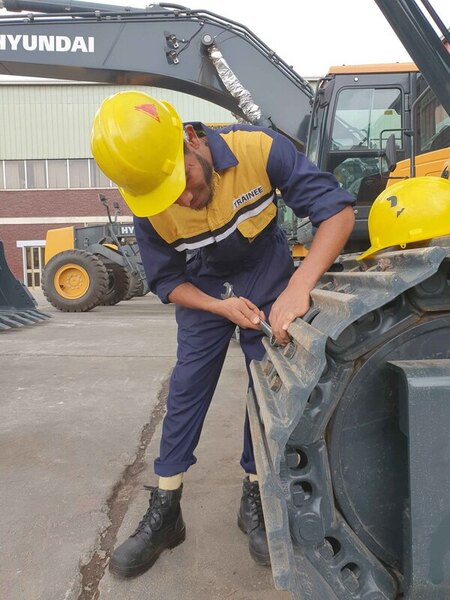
(312, 35)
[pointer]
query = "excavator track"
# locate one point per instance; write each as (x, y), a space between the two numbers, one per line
(343, 492)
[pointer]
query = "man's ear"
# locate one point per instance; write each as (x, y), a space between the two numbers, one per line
(192, 138)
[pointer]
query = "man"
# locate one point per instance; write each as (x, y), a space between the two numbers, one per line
(212, 194)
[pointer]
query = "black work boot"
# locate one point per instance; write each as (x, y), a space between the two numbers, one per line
(251, 522)
(161, 527)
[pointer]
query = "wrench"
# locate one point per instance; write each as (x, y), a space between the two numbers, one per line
(264, 326)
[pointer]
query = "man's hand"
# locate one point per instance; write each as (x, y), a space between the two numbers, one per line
(240, 311)
(295, 300)
(288, 306)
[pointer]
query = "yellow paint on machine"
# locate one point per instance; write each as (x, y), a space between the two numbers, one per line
(58, 240)
(446, 170)
(374, 68)
(299, 251)
(429, 163)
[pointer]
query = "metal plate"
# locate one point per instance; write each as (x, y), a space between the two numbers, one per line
(368, 452)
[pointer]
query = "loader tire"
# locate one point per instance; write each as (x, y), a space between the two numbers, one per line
(118, 284)
(136, 287)
(75, 281)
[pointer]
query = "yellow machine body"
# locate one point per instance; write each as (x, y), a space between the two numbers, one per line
(58, 240)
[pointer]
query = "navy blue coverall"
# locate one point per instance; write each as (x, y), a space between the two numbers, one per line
(237, 239)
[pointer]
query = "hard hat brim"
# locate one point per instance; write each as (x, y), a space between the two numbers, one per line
(367, 253)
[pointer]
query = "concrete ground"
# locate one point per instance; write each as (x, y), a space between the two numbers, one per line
(81, 403)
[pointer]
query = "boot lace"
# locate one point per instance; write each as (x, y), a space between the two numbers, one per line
(254, 497)
(152, 518)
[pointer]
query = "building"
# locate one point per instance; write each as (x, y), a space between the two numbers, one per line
(48, 178)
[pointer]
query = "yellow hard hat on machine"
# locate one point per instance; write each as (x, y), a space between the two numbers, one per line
(137, 141)
(412, 210)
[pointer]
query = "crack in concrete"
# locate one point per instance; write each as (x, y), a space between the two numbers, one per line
(118, 502)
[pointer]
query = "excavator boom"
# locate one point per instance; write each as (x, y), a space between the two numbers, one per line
(421, 41)
(167, 46)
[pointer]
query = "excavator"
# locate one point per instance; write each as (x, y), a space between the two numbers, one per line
(350, 420)
(356, 109)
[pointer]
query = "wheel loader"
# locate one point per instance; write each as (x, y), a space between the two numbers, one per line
(350, 420)
(90, 266)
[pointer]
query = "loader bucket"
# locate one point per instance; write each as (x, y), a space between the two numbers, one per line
(17, 305)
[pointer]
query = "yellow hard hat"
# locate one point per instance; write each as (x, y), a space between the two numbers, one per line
(412, 210)
(137, 141)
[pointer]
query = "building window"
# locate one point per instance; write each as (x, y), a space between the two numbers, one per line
(74, 173)
(15, 174)
(57, 174)
(36, 174)
(34, 263)
(78, 173)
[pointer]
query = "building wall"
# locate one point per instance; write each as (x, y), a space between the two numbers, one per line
(54, 120)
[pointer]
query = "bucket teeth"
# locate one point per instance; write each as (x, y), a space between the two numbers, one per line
(10, 319)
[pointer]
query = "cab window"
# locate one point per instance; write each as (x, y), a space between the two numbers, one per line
(433, 125)
(364, 119)
(362, 115)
